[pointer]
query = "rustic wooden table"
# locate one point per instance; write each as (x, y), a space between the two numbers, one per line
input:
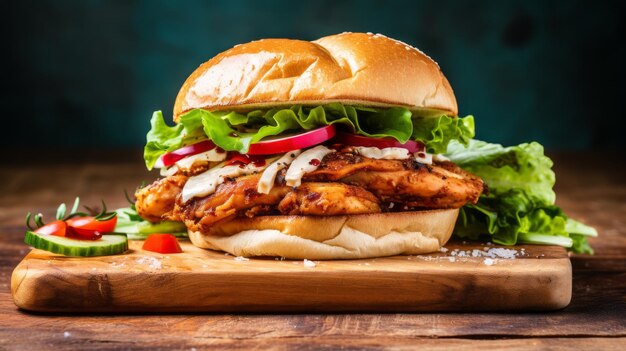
(590, 187)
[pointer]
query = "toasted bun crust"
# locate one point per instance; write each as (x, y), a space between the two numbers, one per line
(332, 237)
(355, 68)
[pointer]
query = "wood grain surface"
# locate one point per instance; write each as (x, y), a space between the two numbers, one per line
(594, 319)
(209, 281)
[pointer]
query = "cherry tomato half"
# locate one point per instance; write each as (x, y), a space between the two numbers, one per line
(162, 243)
(56, 228)
(89, 223)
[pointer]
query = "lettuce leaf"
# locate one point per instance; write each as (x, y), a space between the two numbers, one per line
(234, 131)
(436, 133)
(162, 138)
(136, 228)
(519, 206)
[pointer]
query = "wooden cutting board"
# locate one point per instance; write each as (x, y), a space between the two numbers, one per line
(540, 278)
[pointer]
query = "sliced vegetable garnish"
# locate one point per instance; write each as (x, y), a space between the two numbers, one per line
(381, 143)
(58, 228)
(292, 142)
(110, 244)
(137, 228)
(90, 223)
(75, 226)
(162, 243)
(172, 157)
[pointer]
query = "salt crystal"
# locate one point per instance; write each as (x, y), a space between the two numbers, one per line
(476, 253)
(502, 253)
(488, 261)
(309, 264)
(151, 262)
(67, 334)
(241, 259)
(443, 249)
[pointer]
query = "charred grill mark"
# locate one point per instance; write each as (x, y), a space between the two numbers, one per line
(412, 163)
(313, 196)
(251, 194)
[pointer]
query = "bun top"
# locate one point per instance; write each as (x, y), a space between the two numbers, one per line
(353, 68)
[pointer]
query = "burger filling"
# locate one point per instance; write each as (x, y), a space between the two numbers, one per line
(308, 161)
(320, 181)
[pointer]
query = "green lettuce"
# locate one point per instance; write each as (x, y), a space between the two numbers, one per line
(437, 133)
(137, 228)
(233, 131)
(519, 205)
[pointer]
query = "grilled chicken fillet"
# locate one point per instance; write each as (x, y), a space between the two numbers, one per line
(344, 183)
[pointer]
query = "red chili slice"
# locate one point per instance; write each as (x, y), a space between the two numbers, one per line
(292, 142)
(172, 157)
(235, 158)
(381, 143)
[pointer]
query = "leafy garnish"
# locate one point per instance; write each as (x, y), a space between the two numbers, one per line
(520, 204)
(62, 215)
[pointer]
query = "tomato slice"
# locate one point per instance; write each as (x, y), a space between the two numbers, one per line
(381, 143)
(172, 157)
(292, 142)
(162, 243)
(56, 228)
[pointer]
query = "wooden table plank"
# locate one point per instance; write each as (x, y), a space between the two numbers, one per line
(595, 318)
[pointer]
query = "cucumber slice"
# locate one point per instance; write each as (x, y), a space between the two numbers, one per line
(109, 244)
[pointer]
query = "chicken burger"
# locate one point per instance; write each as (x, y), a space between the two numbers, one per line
(328, 149)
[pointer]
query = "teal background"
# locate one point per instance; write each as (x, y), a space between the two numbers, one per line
(90, 73)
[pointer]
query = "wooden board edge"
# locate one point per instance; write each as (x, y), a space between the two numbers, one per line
(555, 275)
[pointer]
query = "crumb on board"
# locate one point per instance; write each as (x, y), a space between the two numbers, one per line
(309, 263)
(241, 259)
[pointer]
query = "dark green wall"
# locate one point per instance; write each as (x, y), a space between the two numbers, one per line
(91, 72)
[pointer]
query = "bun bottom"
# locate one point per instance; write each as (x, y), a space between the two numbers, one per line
(332, 237)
